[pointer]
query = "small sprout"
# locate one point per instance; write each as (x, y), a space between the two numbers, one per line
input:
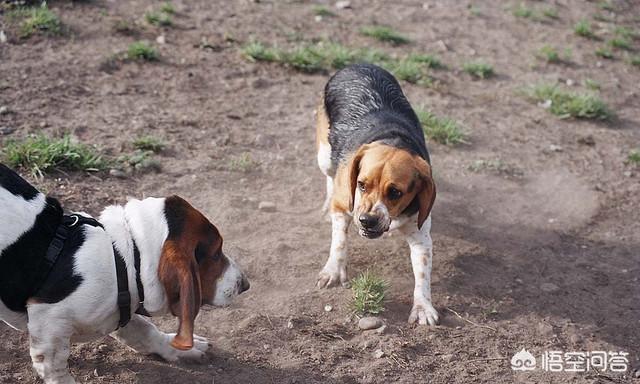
(592, 84)
(620, 43)
(41, 154)
(323, 11)
(442, 130)
(256, 51)
(368, 294)
(149, 143)
(478, 69)
(568, 104)
(583, 28)
(430, 60)
(635, 61)
(604, 52)
(385, 34)
(625, 32)
(167, 8)
(634, 157)
(548, 53)
(607, 6)
(160, 19)
(141, 50)
(36, 19)
(409, 71)
(551, 13)
(522, 11)
(243, 163)
(124, 27)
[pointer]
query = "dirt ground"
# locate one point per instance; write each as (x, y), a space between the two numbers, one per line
(568, 216)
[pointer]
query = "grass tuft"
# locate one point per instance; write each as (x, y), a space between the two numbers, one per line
(167, 8)
(141, 50)
(592, 84)
(620, 43)
(604, 52)
(634, 157)
(385, 34)
(41, 154)
(523, 11)
(149, 143)
(551, 13)
(256, 51)
(549, 54)
(321, 10)
(36, 19)
(368, 294)
(569, 104)
(442, 130)
(583, 28)
(159, 19)
(635, 61)
(626, 33)
(478, 69)
(243, 163)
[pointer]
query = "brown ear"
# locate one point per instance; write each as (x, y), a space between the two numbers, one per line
(178, 273)
(427, 194)
(354, 170)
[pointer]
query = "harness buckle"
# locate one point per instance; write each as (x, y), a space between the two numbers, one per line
(76, 219)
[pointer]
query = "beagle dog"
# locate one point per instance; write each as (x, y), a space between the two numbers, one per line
(66, 278)
(372, 151)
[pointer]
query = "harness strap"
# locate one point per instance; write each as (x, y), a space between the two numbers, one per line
(136, 262)
(124, 297)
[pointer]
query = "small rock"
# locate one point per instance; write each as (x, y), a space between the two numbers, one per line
(102, 347)
(378, 353)
(546, 104)
(555, 148)
(266, 347)
(6, 130)
(3, 37)
(328, 308)
(519, 280)
(267, 206)
(574, 338)
(318, 18)
(343, 4)
(442, 46)
(4, 110)
(290, 324)
(43, 124)
(569, 82)
(545, 329)
(628, 173)
(161, 39)
(587, 140)
(370, 322)
(381, 330)
(636, 374)
(117, 173)
(448, 357)
(599, 64)
(549, 287)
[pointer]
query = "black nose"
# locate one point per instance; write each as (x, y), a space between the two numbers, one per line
(367, 220)
(245, 284)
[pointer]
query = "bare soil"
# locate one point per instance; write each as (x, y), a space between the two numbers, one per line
(569, 217)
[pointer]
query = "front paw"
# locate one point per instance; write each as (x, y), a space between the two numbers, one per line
(195, 354)
(331, 277)
(423, 313)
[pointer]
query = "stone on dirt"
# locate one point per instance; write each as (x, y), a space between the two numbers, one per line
(370, 322)
(378, 353)
(343, 4)
(548, 287)
(267, 206)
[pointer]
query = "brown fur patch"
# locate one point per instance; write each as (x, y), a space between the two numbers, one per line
(322, 125)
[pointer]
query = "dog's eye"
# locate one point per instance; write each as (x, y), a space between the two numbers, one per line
(361, 186)
(394, 194)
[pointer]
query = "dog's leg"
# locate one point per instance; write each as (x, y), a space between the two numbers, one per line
(335, 270)
(49, 350)
(142, 336)
(421, 246)
(327, 200)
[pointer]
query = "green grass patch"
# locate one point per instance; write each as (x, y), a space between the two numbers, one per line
(635, 61)
(243, 163)
(604, 52)
(167, 8)
(607, 6)
(583, 28)
(549, 54)
(369, 291)
(41, 154)
(551, 13)
(523, 11)
(625, 32)
(159, 19)
(385, 34)
(442, 130)
(570, 104)
(149, 143)
(141, 50)
(620, 43)
(36, 20)
(634, 157)
(592, 84)
(321, 10)
(430, 61)
(478, 69)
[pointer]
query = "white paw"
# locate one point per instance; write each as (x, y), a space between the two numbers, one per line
(197, 353)
(66, 379)
(200, 343)
(330, 277)
(424, 313)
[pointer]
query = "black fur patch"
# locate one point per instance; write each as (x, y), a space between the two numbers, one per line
(364, 104)
(175, 210)
(15, 184)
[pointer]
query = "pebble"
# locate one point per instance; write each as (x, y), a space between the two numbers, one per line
(117, 173)
(587, 140)
(370, 322)
(447, 357)
(267, 206)
(161, 39)
(6, 130)
(381, 330)
(569, 82)
(3, 37)
(4, 110)
(636, 374)
(549, 287)
(343, 4)
(328, 308)
(555, 148)
(378, 353)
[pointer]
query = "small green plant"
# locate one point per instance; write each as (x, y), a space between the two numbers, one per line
(125, 27)
(568, 104)
(410, 71)
(368, 294)
(604, 52)
(167, 8)
(430, 61)
(523, 11)
(140, 160)
(549, 54)
(385, 34)
(141, 50)
(478, 69)
(494, 166)
(583, 28)
(620, 43)
(321, 10)
(634, 157)
(635, 61)
(592, 84)
(41, 154)
(305, 59)
(625, 32)
(243, 163)
(442, 130)
(551, 13)
(160, 19)
(149, 143)
(36, 19)
(256, 51)
(607, 6)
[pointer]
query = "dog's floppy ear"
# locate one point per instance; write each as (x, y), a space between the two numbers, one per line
(354, 170)
(427, 193)
(178, 273)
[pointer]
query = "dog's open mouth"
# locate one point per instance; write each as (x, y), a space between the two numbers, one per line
(369, 234)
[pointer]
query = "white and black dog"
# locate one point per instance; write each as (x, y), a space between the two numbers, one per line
(70, 276)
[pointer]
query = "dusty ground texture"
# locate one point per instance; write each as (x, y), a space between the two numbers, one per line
(569, 217)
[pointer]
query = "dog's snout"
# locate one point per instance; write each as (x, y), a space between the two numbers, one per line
(245, 285)
(368, 220)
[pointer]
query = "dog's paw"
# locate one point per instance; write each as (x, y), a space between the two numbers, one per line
(331, 277)
(423, 313)
(200, 343)
(195, 354)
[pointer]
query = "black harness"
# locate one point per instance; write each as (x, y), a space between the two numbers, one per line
(72, 223)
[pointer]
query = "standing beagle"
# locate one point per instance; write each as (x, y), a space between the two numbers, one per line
(372, 150)
(64, 277)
